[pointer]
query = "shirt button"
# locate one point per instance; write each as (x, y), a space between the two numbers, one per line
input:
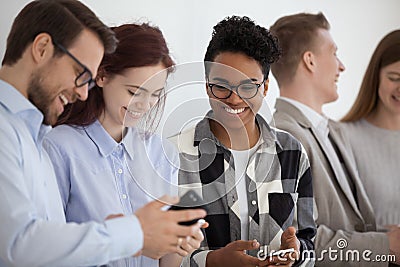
(253, 202)
(124, 196)
(119, 171)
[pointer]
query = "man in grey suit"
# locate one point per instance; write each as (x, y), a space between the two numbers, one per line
(307, 74)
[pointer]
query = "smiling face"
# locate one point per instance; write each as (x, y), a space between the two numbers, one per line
(328, 67)
(128, 96)
(389, 90)
(52, 85)
(231, 70)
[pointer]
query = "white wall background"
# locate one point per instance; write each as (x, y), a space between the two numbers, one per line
(356, 26)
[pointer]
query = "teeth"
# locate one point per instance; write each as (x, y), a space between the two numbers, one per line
(64, 99)
(234, 111)
(397, 97)
(135, 114)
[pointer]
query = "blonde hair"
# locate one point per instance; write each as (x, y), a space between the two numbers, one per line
(296, 35)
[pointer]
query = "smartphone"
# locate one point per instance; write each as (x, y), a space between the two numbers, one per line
(190, 200)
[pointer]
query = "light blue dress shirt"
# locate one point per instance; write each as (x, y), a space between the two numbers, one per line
(33, 231)
(98, 176)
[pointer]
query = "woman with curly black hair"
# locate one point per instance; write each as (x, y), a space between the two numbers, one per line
(253, 177)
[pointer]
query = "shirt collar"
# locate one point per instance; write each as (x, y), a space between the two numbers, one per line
(318, 121)
(18, 104)
(130, 140)
(106, 144)
(100, 137)
(203, 131)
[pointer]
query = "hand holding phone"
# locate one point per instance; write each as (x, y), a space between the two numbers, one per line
(160, 227)
(190, 200)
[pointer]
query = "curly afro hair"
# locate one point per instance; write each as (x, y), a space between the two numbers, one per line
(242, 35)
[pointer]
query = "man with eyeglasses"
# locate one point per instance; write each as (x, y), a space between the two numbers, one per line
(53, 52)
(255, 179)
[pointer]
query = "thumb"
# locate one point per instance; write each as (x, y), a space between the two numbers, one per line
(205, 225)
(241, 245)
(289, 233)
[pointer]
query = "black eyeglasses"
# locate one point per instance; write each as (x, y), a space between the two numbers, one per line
(223, 90)
(85, 77)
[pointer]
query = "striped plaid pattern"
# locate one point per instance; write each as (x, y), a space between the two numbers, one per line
(278, 180)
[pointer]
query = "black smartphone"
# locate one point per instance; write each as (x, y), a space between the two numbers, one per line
(190, 200)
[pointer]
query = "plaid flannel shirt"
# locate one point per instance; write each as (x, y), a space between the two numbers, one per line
(279, 189)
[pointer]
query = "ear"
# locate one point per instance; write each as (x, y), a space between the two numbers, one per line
(42, 47)
(101, 77)
(266, 84)
(309, 61)
(207, 88)
(100, 80)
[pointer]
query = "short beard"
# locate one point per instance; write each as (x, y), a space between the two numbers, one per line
(40, 97)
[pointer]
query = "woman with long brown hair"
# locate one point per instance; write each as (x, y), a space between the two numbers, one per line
(373, 126)
(106, 165)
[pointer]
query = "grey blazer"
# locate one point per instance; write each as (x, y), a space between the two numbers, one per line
(345, 221)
